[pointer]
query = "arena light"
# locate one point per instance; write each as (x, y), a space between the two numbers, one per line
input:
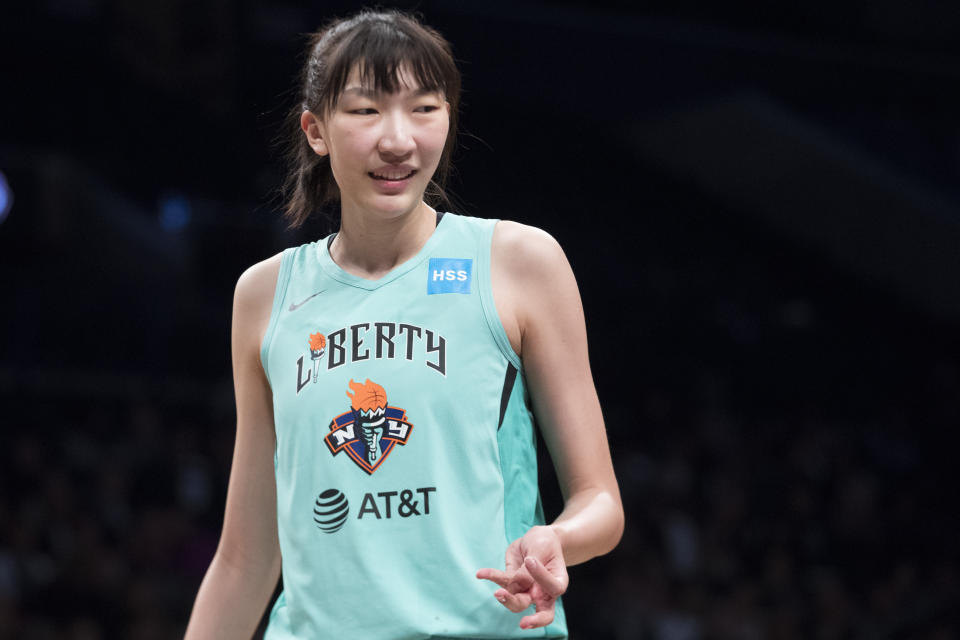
(6, 197)
(175, 212)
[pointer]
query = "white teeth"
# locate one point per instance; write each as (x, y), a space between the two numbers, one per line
(392, 177)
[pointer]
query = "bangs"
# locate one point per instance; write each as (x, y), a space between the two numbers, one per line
(378, 50)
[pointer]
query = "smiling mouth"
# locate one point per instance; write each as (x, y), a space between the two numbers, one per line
(391, 178)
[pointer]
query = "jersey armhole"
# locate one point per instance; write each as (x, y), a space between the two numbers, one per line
(485, 285)
(279, 294)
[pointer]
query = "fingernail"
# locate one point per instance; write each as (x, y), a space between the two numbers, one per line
(501, 598)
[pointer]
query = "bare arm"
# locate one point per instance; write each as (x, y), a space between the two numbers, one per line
(539, 305)
(245, 569)
(537, 297)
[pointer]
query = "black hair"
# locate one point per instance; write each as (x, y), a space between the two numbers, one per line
(377, 43)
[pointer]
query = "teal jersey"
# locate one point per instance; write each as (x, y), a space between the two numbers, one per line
(405, 453)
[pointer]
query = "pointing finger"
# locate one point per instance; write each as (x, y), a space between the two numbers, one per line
(494, 575)
(548, 582)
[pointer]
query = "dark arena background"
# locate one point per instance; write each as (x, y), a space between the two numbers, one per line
(760, 202)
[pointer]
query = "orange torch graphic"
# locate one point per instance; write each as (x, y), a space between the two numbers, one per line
(317, 345)
(369, 404)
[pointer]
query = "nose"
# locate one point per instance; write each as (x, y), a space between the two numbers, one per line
(396, 138)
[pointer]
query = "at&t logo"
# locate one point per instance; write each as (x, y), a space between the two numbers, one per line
(331, 509)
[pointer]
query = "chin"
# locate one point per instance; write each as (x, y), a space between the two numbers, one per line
(395, 207)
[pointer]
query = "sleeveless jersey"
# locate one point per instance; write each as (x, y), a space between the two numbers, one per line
(405, 450)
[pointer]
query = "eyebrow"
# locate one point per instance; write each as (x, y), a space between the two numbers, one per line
(365, 92)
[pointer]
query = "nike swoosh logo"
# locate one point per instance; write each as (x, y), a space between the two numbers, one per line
(294, 307)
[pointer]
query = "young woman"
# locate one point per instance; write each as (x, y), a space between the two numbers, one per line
(386, 378)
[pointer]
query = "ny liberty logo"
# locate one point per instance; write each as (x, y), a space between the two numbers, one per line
(371, 429)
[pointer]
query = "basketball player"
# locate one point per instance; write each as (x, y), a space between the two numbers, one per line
(386, 378)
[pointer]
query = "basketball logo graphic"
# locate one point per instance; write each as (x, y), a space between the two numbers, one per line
(330, 511)
(371, 429)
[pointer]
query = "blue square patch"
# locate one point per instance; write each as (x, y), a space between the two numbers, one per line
(449, 275)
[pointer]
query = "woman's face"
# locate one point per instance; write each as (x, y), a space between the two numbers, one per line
(385, 147)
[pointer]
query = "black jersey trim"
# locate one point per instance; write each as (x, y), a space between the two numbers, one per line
(508, 380)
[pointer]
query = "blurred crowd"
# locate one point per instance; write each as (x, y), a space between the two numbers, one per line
(787, 528)
(109, 517)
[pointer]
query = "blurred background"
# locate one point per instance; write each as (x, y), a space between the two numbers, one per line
(760, 202)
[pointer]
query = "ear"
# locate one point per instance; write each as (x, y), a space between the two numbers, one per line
(313, 128)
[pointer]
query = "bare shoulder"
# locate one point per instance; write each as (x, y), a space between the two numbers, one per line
(524, 250)
(253, 298)
(529, 273)
(259, 280)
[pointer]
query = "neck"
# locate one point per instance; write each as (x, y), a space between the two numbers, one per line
(369, 246)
